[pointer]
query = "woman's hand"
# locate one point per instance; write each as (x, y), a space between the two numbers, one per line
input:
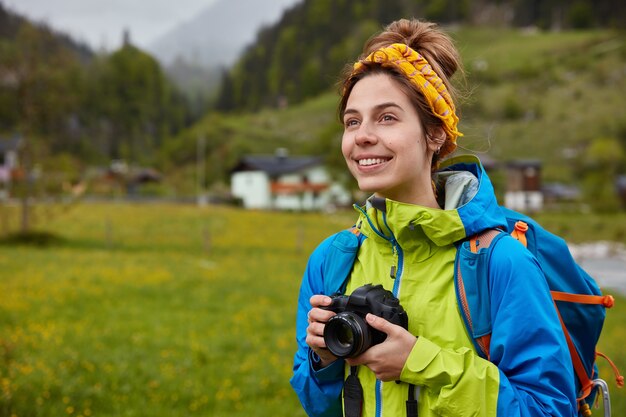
(386, 359)
(315, 332)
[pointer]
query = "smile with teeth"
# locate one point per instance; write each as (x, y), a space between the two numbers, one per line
(371, 161)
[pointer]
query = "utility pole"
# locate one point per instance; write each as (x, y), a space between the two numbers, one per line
(27, 187)
(201, 167)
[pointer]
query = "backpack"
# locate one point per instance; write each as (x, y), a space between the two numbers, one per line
(579, 302)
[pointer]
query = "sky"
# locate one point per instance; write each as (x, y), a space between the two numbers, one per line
(101, 23)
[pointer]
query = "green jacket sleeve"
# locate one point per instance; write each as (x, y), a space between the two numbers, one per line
(463, 382)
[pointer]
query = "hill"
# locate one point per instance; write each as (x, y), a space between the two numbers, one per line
(11, 22)
(530, 94)
(299, 56)
(551, 95)
(195, 53)
(73, 107)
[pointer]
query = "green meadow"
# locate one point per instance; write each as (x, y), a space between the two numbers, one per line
(169, 310)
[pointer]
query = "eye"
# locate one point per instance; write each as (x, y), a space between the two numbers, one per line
(350, 122)
(387, 117)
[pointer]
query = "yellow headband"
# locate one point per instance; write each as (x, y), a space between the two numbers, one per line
(415, 67)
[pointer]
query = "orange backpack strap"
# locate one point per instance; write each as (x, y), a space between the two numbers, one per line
(619, 379)
(355, 231)
(586, 383)
(483, 239)
(605, 300)
(485, 344)
(519, 232)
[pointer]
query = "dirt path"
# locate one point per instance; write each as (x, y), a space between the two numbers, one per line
(605, 261)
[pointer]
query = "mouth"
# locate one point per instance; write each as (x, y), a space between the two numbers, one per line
(367, 162)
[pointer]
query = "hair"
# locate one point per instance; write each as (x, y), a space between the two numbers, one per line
(429, 41)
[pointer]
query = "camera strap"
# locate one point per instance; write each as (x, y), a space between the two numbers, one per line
(352, 394)
(411, 402)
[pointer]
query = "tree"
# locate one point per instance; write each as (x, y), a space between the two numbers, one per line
(603, 161)
(133, 105)
(43, 92)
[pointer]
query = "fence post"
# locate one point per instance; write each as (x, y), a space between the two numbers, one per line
(300, 236)
(206, 239)
(108, 233)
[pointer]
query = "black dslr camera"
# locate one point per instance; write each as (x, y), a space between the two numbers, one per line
(347, 334)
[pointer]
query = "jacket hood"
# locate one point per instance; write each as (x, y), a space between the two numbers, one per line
(466, 195)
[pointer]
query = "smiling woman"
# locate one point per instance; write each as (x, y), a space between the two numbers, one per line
(399, 121)
(384, 144)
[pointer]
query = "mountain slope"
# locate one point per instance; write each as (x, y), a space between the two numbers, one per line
(526, 97)
(301, 55)
(11, 23)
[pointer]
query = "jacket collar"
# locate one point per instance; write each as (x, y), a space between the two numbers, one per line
(467, 195)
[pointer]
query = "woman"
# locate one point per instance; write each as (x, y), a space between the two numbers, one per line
(399, 121)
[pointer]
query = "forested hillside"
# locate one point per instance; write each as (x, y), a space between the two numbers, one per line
(66, 100)
(550, 96)
(302, 54)
(11, 24)
(545, 80)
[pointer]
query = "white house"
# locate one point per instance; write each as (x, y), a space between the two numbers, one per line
(286, 182)
(523, 191)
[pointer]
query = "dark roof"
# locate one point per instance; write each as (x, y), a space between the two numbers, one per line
(275, 165)
(10, 144)
(144, 175)
(560, 191)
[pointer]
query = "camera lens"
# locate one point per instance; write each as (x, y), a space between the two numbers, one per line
(347, 334)
(345, 337)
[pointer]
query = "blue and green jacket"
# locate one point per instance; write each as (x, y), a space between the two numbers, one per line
(411, 251)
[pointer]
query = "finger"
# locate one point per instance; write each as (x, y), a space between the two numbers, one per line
(381, 324)
(316, 329)
(317, 314)
(320, 300)
(374, 358)
(315, 336)
(357, 360)
(315, 341)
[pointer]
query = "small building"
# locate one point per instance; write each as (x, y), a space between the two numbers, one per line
(285, 182)
(9, 163)
(557, 192)
(119, 178)
(523, 185)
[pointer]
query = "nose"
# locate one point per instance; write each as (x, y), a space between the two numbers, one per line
(365, 135)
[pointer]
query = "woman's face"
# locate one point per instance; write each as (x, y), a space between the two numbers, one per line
(384, 142)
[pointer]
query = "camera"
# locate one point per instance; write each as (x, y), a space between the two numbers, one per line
(347, 334)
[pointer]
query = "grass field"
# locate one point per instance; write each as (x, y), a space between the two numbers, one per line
(167, 310)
